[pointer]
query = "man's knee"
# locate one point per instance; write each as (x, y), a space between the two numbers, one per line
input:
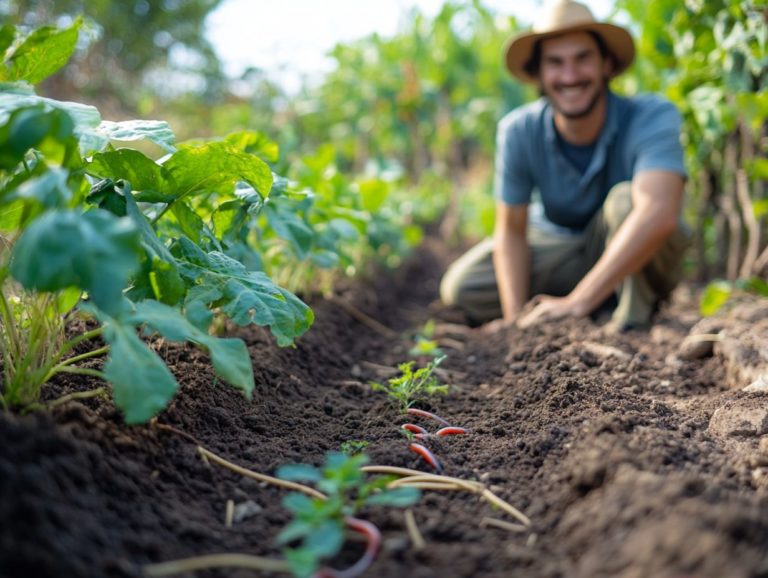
(450, 287)
(618, 204)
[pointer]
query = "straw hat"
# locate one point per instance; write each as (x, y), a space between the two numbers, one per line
(568, 16)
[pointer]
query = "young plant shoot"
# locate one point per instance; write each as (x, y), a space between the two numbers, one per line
(318, 525)
(412, 386)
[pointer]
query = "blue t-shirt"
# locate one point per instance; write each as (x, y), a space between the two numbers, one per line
(640, 133)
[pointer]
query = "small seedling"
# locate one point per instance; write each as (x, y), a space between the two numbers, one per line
(318, 524)
(412, 386)
(353, 447)
(424, 344)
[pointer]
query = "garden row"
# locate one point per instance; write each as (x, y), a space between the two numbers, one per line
(174, 245)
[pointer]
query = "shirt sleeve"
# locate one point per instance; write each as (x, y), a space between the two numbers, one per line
(657, 139)
(512, 178)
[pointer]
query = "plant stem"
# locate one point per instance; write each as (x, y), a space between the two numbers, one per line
(54, 367)
(260, 477)
(77, 395)
(9, 325)
(75, 341)
(508, 526)
(467, 485)
(83, 371)
(87, 355)
(215, 561)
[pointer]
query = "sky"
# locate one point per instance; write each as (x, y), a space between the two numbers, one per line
(290, 38)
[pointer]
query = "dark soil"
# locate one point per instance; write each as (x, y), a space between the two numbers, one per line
(604, 441)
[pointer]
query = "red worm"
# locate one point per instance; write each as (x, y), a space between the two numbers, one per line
(413, 428)
(422, 413)
(451, 430)
(373, 536)
(428, 456)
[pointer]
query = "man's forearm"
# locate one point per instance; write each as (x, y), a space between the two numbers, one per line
(511, 260)
(632, 247)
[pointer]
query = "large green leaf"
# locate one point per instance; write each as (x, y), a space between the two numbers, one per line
(94, 251)
(167, 285)
(130, 165)
(42, 53)
(85, 117)
(244, 296)
(142, 385)
(7, 36)
(715, 295)
(190, 223)
(155, 131)
(289, 225)
(26, 128)
(216, 167)
(229, 356)
(50, 190)
(255, 143)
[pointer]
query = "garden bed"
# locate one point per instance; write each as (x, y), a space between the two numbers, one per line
(606, 442)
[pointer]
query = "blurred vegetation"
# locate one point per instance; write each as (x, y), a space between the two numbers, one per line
(711, 59)
(419, 109)
(129, 50)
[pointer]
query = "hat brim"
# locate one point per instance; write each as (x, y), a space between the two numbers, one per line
(618, 41)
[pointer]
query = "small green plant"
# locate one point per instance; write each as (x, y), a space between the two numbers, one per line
(412, 386)
(425, 347)
(718, 293)
(319, 524)
(353, 447)
(424, 344)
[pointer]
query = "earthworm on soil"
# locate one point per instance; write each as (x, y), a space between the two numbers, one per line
(413, 428)
(428, 456)
(373, 536)
(451, 430)
(422, 413)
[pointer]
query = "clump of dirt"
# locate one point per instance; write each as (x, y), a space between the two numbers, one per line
(606, 442)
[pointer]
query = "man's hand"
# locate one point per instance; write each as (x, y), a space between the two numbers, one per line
(497, 325)
(548, 308)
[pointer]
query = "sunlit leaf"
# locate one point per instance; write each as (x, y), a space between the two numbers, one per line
(143, 174)
(43, 53)
(216, 167)
(155, 131)
(244, 296)
(715, 295)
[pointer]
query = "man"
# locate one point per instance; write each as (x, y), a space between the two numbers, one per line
(608, 177)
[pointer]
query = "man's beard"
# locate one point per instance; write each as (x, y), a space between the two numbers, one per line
(584, 112)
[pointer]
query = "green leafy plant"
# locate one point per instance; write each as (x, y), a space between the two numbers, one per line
(319, 524)
(136, 252)
(353, 447)
(412, 386)
(718, 293)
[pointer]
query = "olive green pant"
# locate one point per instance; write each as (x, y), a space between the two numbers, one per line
(559, 261)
